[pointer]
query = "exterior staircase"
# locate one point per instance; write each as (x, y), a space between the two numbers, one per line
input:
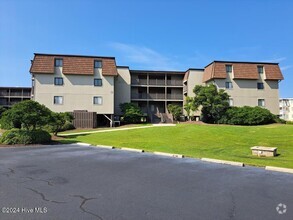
(166, 118)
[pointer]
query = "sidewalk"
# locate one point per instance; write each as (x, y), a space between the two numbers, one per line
(118, 129)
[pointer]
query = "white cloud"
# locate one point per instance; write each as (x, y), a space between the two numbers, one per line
(144, 57)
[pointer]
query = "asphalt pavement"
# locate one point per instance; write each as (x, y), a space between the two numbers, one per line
(84, 182)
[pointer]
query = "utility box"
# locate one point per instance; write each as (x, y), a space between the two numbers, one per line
(264, 151)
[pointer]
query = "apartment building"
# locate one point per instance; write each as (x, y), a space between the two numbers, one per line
(286, 109)
(96, 84)
(247, 83)
(12, 95)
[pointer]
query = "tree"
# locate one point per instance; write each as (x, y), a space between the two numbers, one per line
(58, 120)
(189, 106)
(27, 114)
(214, 102)
(175, 110)
(131, 113)
(2, 110)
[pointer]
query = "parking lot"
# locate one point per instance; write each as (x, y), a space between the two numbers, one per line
(84, 182)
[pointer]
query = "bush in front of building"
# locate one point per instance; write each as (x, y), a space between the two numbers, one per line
(175, 110)
(18, 136)
(28, 115)
(60, 122)
(131, 113)
(247, 116)
(214, 102)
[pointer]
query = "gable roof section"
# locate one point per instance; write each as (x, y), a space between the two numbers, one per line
(241, 70)
(73, 64)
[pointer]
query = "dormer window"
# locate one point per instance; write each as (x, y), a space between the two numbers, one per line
(260, 69)
(228, 68)
(98, 64)
(58, 62)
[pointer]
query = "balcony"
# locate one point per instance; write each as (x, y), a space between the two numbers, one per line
(4, 93)
(15, 93)
(157, 82)
(157, 96)
(175, 96)
(174, 82)
(139, 96)
(26, 94)
(139, 81)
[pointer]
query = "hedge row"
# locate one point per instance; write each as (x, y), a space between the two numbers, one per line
(16, 136)
(247, 116)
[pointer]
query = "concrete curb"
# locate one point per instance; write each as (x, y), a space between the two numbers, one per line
(223, 162)
(132, 149)
(84, 144)
(169, 155)
(279, 169)
(105, 146)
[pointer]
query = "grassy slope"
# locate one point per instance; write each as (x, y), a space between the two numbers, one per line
(213, 141)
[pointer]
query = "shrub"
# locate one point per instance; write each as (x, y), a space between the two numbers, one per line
(279, 120)
(27, 114)
(58, 122)
(247, 116)
(175, 110)
(289, 122)
(131, 113)
(214, 102)
(16, 136)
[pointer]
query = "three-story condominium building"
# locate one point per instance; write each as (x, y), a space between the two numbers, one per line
(66, 83)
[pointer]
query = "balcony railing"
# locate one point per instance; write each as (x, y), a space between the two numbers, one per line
(15, 93)
(175, 96)
(139, 81)
(139, 96)
(26, 94)
(4, 93)
(158, 82)
(174, 82)
(157, 96)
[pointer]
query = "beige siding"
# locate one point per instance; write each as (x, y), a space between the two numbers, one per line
(122, 88)
(78, 92)
(194, 78)
(245, 93)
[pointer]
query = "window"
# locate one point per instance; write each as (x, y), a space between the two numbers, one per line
(261, 102)
(260, 69)
(98, 64)
(58, 62)
(229, 85)
(98, 82)
(58, 81)
(98, 100)
(58, 100)
(260, 86)
(228, 68)
(231, 102)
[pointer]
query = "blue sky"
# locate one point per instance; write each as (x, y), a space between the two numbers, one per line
(157, 35)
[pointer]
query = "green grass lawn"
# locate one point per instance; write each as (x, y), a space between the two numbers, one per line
(212, 141)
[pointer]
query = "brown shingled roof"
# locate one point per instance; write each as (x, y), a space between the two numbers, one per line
(80, 65)
(241, 70)
(273, 72)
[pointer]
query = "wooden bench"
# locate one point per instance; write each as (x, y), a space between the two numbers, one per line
(264, 151)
